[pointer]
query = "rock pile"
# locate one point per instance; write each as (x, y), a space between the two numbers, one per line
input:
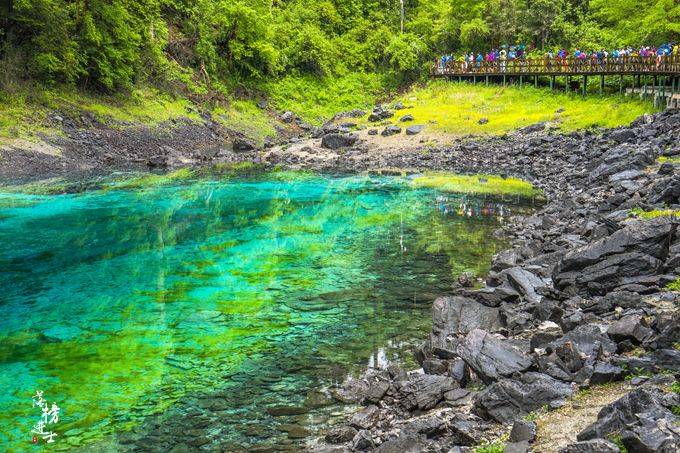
(582, 286)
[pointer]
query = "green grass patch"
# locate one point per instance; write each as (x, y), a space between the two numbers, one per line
(476, 184)
(495, 447)
(674, 286)
(648, 215)
(244, 116)
(456, 108)
(672, 159)
(317, 99)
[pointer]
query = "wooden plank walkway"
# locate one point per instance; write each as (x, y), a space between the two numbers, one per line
(557, 67)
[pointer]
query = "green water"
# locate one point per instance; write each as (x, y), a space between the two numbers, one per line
(126, 305)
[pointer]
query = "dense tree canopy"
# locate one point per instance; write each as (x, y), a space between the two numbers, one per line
(113, 44)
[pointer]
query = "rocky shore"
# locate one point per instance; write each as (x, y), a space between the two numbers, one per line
(578, 302)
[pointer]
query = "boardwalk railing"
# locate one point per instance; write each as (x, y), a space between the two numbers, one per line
(629, 65)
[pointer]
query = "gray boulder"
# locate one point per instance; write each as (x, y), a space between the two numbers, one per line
(243, 144)
(406, 118)
(366, 418)
(340, 434)
(414, 130)
(591, 446)
(523, 430)
(509, 399)
(629, 256)
(337, 141)
(491, 358)
(643, 413)
(631, 327)
(391, 130)
(425, 391)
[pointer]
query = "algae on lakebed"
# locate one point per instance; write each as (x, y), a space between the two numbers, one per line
(119, 303)
(477, 184)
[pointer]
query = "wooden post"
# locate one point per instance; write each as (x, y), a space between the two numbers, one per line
(487, 80)
(503, 79)
(520, 81)
(566, 83)
(535, 81)
(621, 84)
(474, 80)
(601, 84)
(585, 85)
(552, 83)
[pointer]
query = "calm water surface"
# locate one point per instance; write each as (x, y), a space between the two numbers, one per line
(219, 296)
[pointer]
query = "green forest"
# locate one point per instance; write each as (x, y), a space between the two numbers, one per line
(207, 46)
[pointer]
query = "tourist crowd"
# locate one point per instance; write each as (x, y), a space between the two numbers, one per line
(520, 54)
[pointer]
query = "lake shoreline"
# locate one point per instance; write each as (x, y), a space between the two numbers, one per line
(582, 271)
(582, 299)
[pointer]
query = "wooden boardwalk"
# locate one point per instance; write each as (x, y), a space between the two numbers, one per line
(661, 76)
(570, 66)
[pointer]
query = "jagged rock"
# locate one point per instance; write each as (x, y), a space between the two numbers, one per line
(523, 430)
(517, 447)
(373, 132)
(591, 446)
(667, 359)
(243, 144)
(435, 366)
(406, 118)
(587, 340)
(340, 434)
(452, 316)
(666, 169)
(376, 391)
(525, 283)
(425, 391)
(363, 441)
(406, 443)
(491, 358)
(459, 371)
(643, 413)
(631, 327)
(414, 130)
(626, 257)
(391, 130)
(337, 141)
(483, 121)
(366, 418)
(606, 372)
(508, 399)
(351, 391)
(546, 332)
(288, 117)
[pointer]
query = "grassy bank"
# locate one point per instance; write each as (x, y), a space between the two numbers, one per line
(476, 184)
(457, 108)
(446, 107)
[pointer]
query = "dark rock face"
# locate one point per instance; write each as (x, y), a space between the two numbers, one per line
(391, 130)
(366, 418)
(626, 257)
(591, 446)
(340, 434)
(490, 357)
(643, 420)
(406, 118)
(523, 431)
(632, 327)
(453, 316)
(509, 399)
(414, 130)
(337, 141)
(379, 113)
(425, 391)
(244, 144)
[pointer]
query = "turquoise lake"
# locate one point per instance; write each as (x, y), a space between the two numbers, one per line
(140, 309)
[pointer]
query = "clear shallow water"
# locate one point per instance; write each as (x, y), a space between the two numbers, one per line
(224, 296)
